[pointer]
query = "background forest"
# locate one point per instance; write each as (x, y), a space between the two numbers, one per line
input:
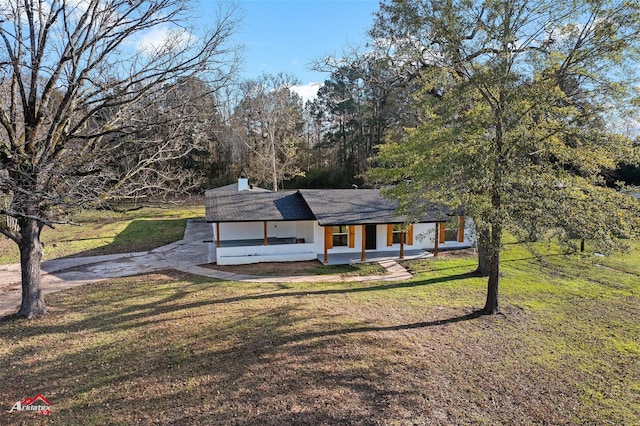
(264, 129)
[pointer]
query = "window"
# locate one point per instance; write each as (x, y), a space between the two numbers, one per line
(394, 234)
(451, 233)
(454, 230)
(397, 233)
(340, 235)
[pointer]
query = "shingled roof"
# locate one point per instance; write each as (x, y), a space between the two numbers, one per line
(255, 206)
(349, 206)
(327, 206)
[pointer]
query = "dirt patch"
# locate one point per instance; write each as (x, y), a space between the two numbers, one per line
(270, 268)
(310, 267)
(450, 254)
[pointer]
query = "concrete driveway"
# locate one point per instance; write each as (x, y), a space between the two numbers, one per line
(184, 255)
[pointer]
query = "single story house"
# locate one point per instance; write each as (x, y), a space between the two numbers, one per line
(330, 225)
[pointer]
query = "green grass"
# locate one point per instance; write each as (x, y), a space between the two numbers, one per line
(108, 232)
(173, 348)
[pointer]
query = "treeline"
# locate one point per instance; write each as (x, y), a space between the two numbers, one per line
(281, 142)
(266, 131)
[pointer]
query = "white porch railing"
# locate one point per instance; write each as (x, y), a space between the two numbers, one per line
(256, 254)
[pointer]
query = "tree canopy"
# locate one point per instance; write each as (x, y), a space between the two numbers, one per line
(519, 102)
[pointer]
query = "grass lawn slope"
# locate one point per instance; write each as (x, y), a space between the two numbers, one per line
(173, 348)
(109, 232)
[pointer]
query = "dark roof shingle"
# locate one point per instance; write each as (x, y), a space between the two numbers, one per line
(255, 206)
(327, 206)
(355, 207)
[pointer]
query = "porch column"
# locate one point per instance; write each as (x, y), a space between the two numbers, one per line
(363, 257)
(402, 245)
(265, 242)
(410, 235)
(436, 239)
(218, 234)
(328, 242)
(461, 229)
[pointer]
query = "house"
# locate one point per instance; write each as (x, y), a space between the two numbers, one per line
(333, 226)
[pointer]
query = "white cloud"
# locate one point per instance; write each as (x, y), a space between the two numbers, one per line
(163, 37)
(153, 39)
(308, 91)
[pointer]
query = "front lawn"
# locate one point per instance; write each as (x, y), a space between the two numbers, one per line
(173, 348)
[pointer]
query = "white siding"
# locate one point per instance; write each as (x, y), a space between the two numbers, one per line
(284, 229)
(242, 231)
(424, 236)
(255, 230)
(304, 229)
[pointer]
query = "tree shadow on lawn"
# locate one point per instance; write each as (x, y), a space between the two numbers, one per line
(130, 316)
(278, 365)
(365, 329)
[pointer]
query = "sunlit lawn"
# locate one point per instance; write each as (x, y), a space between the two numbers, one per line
(177, 349)
(107, 232)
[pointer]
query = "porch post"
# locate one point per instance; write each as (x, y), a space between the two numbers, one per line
(437, 239)
(326, 246)
(363, 257)
(402, 245)
(218, 234)
(265, 242)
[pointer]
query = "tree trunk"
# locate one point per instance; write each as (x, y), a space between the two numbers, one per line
(491, 305)
(494, 246)
(274, 169)
(484, 264)
(31, 252)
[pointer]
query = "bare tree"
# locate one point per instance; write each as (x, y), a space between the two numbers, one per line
(269, 121)
(80, 120)
(171, 147)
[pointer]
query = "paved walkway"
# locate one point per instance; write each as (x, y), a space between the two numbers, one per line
(184, 255)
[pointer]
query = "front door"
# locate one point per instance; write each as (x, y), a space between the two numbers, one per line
(371, 237)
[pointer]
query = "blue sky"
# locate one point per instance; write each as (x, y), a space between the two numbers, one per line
(286, 35)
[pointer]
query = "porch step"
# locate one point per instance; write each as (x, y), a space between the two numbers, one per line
(395, 269)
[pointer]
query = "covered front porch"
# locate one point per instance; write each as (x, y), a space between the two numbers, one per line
(238, 253)
(263, 241)
(269, 241)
